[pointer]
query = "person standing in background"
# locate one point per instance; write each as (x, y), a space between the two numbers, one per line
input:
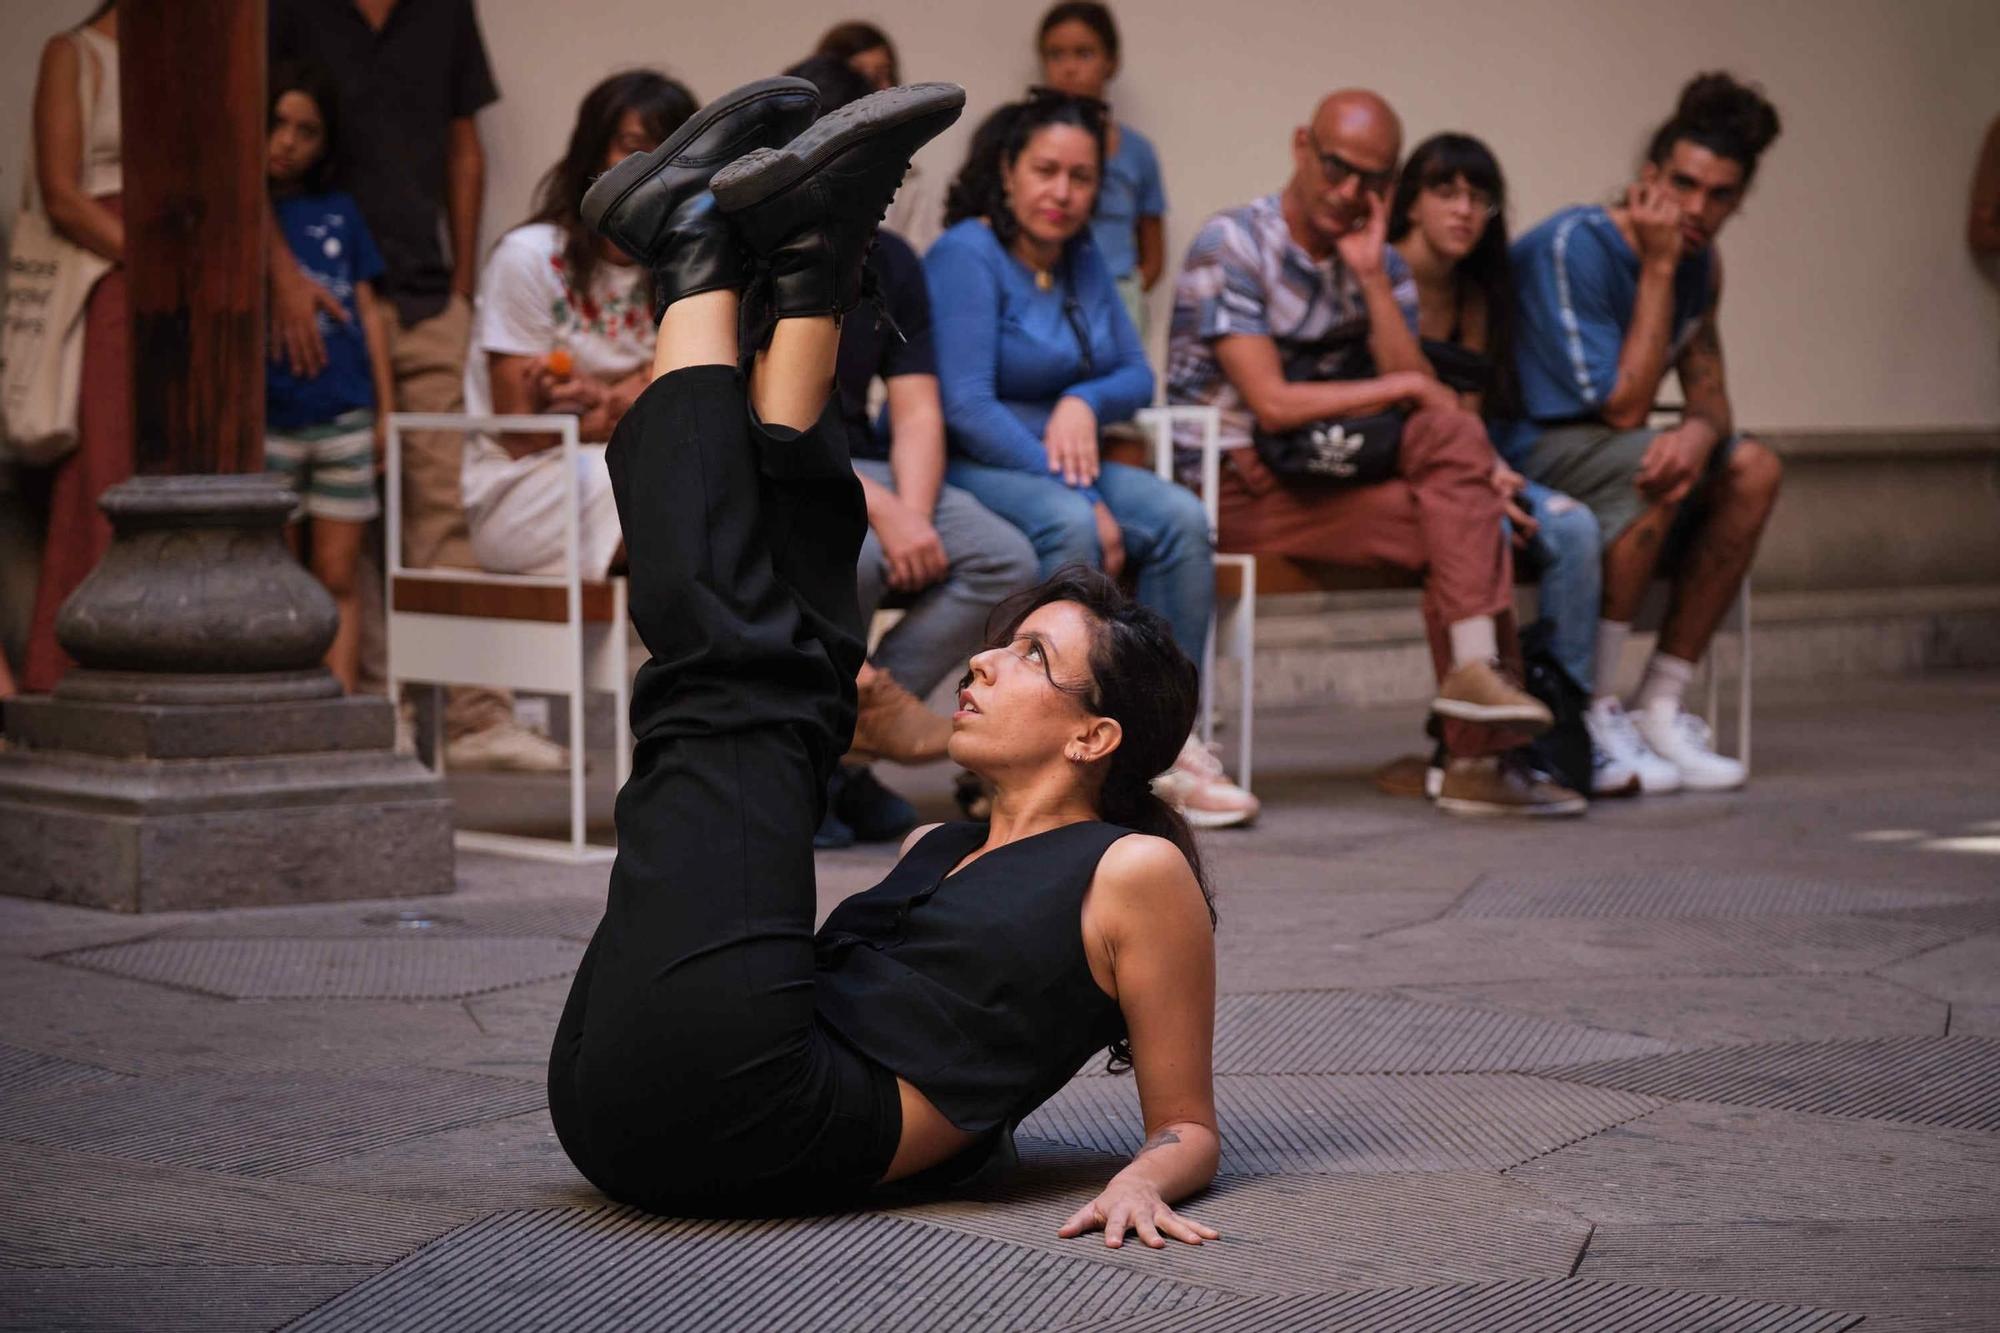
(78, 170)
(1078, 46)
(916, 213)
(412, 74)
(1982, 229)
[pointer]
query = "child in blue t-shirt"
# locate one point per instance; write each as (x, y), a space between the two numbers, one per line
(323, 432)
(1078, 45)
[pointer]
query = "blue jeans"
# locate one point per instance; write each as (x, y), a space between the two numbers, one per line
(1569, 558)
(1165, 530)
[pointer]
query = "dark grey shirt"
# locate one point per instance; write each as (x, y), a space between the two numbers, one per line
(400, 89)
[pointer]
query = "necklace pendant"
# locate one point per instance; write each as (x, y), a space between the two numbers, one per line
(1044, 280)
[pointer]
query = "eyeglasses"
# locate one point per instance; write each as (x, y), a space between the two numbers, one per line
(1457, 192)
(1338, 171)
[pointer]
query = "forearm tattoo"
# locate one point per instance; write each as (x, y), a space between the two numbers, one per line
(1159, 1140)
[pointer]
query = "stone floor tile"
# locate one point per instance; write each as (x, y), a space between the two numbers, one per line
(613, 1269)
(1967, 972)
(404, 919)
(1712, 1011)
(1950, 1081)
(1906, 1277)
(341, 969)
(1503, 1307)
(64, 1209)
(1683, 891)
(23, 1073)
(1279, 1232)
(168, 1300)
(1698, 1162)
(1332, 1124)
(262, 1124)
(512, 1162)
(1975, 1020)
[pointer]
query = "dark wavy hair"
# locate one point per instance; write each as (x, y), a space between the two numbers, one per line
(316, 82)
(1090, 14)
(1728, 118)
(663, 105)
(1438, 161)
(836, 80)
(1139, 678)
(848, 40)
(979, 190)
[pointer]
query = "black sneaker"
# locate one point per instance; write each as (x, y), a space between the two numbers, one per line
(810, 208)
(871, 810)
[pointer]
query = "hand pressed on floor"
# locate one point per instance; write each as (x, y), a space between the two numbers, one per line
(1136, 1206)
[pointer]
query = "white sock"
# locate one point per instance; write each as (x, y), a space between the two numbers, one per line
(1611, 636)
(1666, 680)
(1473, 640)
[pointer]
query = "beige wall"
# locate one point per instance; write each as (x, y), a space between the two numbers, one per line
(1852, 301)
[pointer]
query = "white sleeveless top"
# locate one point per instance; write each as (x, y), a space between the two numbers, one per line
(103, 172)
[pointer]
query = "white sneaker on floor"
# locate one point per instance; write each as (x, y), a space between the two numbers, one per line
(506, 747)
(1198, 787)
(1682, 739)
(1619, 754)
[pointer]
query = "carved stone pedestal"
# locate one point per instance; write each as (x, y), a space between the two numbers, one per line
(199, 755)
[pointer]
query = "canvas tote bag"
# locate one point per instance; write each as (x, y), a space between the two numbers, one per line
(49, 278)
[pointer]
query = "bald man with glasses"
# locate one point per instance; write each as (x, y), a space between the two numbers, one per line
(1295, 319)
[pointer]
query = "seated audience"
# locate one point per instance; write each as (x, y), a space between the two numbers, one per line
(324, 433)
(867, 50)
(1448, 222)
(565, 324)
(1294, 318)
(930, 546)
(1035, 355)
(1078, 46)
(1611, 298)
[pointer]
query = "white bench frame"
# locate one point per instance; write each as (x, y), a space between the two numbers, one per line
(569, 657)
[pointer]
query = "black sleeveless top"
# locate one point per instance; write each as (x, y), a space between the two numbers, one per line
(975, 987)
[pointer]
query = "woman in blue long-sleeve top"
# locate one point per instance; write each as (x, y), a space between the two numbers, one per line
(1035, 353)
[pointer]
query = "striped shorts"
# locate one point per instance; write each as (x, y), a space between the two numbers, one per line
(330, 465)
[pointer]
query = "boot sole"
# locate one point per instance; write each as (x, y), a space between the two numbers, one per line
(615, 186)
(758, 176)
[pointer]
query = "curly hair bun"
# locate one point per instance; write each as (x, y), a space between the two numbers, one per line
(1715, 103)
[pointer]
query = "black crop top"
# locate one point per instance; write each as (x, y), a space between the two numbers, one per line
(975, 987)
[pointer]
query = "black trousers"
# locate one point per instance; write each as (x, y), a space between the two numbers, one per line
(690, 1074)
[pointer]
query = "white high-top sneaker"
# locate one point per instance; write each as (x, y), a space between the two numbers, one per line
(1682, 739)
(1619, 753)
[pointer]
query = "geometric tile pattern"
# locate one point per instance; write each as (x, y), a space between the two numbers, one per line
(556, 918)
(616, 1269)
(263, 1124)
(24, 1072)
(1967, 972)
(1505, 1307)
(226, 1300)
(63, 1209)
(336, 969)
(1952, 1081)
(1346, 1032)
(1356, 1122)
(1679, 891)
(1915, 1276)
(1393, 1229)
(1697, 1163)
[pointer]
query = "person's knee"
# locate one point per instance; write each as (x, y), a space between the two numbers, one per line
(1568, 530)
(1755, 472)
(1186, 525)
(1067, 533)
(1007, 560)
(1447, 433)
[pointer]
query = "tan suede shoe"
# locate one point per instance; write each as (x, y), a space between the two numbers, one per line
(1498, 786)
(894, 724)
(1484, 692)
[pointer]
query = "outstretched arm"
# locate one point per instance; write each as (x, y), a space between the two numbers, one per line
(1145, 913)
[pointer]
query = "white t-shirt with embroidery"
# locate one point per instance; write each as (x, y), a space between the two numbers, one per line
(527, 307)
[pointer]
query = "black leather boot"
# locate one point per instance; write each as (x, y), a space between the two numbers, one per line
(655, 206)
(810, 208)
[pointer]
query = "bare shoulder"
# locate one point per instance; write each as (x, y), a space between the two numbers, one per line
(1148, 873)
(916, 836)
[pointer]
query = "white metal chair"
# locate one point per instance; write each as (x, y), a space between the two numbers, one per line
(1234, 631)
(557, 634)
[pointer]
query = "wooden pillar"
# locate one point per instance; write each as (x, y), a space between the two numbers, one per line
(191, 80)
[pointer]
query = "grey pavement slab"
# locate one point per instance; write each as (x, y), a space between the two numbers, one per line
(64, 1209)
(261, 1124)
(235, 1299)
(511, 1162)
(1964, 972)
(1504, 1307)
(25, 1072)
(1355, 1122)
(1906, 1277)
(1699, 1162)
(390, 968)
(1352, 1032)
(1975, 1020)
(1682, 891)
(613, 1269)
(1710, 1010)
(425, 918)
(1276, 1229)
(1951, 1081)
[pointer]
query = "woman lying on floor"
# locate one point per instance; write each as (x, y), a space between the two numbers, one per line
(715, 1056)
